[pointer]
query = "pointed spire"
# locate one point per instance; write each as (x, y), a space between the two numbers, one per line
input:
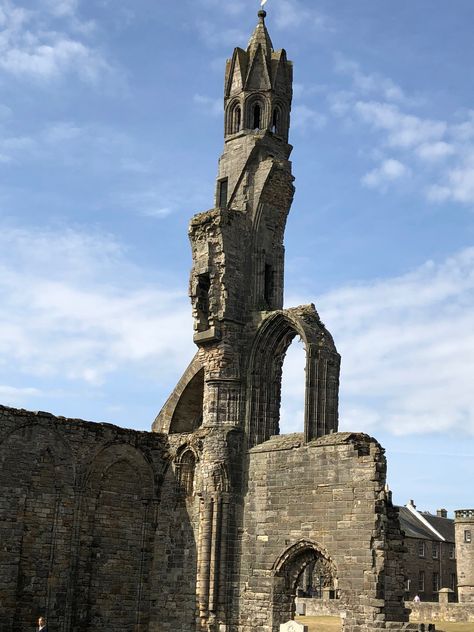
(260, 36)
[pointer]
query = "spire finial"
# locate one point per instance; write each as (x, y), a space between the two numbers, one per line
(262, 14)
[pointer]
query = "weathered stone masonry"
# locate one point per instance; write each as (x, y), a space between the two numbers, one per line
(208, 522)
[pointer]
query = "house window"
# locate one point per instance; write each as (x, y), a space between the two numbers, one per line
(222, 192)
(467, 536)
(421, 548)
(421, 581)
(452, 581)
(435, 550)
(452, 551)
(435, 582)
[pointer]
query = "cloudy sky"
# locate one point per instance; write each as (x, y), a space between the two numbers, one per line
(110, 131)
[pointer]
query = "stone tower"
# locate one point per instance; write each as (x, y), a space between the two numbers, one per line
(221, 417)
(236, 285)
(464, 537)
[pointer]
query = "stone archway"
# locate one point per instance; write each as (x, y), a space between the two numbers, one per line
(287, 573)
(271, 342)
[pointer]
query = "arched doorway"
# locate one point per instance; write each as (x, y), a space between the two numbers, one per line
(299, 568)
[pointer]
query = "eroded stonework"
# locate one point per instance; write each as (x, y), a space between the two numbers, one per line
(208, 522)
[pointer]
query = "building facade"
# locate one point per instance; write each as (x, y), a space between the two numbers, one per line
(430, 559)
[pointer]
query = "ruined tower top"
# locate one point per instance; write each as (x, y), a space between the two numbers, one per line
(241, 328)
(258, 87)
(261, 36)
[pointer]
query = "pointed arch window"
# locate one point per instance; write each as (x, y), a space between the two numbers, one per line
(186, 473)
(276, 121)
(256, 116)
(237, 120)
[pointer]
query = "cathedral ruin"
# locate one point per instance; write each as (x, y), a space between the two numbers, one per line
(208, 522)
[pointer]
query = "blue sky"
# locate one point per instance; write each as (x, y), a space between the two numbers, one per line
(110, 131)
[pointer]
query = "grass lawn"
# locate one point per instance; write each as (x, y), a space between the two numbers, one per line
(333, 624)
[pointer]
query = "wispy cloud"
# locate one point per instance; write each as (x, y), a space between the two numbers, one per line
(408, 348)
(438, 153)
(389, 171)
(292, 14)
(305, 118)
(31, 47)
(369, 83)
(74, 308)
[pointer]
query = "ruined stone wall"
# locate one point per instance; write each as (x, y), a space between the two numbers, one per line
(431, 611)
(78, 509)
(326, 500)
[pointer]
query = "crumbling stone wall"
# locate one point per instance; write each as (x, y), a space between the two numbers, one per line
(78, 505)
(323, 499)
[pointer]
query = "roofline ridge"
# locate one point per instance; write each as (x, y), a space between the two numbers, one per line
(422, 519)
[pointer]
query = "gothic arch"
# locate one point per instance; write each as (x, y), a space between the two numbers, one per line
(233, 117)
(116, 540)
(287, 570)
(249, 112)
(182, 411)
(36, 487)
(186, 461)
(265, 371)
(279, 121)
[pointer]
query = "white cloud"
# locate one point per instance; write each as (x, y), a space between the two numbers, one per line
(292, 14)
(30, 49)
(438, 154)
(407, 347)
(305, 118)
(389, 171)
(369, 83)
(403, 130)
(74, 308)
(435, 151)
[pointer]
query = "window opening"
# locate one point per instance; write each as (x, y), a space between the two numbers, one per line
(467, 536)
(222, 193)
(204, 284)
(435, 550)
(435, 582)
(186, 474)
(276, 121)
(421, 581)
(453, 581)
(257, 112)
(293, 388)
(452, 551)
(268, 285)
(237, 120)
(421, 549)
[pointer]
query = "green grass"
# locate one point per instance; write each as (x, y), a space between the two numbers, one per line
(333, 624)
